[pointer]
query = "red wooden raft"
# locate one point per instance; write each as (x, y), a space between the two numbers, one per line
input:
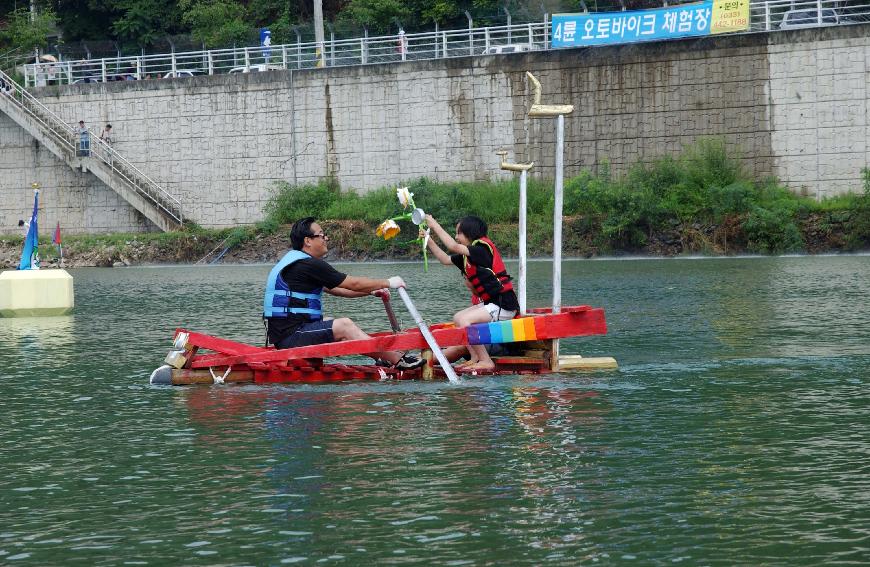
(229, 361)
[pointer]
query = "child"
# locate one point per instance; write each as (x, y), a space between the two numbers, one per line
(485, 275)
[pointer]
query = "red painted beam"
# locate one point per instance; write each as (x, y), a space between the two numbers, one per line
(573, 322)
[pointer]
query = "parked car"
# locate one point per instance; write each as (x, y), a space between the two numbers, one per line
(256, 68)
(181, 73)
(809, 18)
(509, 48)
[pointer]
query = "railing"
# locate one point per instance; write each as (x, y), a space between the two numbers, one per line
(338, 53)
(796, 14)
(764, 16)
(67, 138)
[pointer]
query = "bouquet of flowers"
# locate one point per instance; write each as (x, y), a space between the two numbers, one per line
(390, 227)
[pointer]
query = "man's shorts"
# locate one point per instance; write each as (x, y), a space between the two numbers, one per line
(496, 313)
(314, 333)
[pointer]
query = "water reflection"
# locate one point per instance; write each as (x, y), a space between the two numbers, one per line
(32, 337)
(724, 433)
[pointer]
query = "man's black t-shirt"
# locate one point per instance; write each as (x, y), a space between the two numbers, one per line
(480, 255)
(302, 276)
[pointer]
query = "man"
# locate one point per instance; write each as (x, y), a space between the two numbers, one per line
(84, 140)
(106, 134)
(292, 303)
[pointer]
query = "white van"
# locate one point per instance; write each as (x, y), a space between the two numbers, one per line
(509, 48)
(256, 68)
(811, 18)
(182, 73)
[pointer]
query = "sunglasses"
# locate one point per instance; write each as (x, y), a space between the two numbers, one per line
(322, 235)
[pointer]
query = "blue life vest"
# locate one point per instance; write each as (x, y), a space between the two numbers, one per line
(280, 300)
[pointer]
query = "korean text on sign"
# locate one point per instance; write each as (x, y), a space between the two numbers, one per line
(576, 30)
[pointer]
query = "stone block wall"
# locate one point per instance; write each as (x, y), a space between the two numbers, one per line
(792, 104)
(69, 196)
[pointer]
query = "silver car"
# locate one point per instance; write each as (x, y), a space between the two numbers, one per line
(810, 18)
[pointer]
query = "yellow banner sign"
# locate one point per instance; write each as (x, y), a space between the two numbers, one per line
(729, 16)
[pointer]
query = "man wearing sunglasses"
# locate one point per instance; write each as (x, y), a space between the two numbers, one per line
(292, 305)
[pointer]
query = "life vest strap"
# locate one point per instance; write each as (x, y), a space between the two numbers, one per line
(304, 310)
(296, 294)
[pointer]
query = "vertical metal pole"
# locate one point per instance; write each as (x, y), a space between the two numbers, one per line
(557, 232)
(318, 33)
(557, 216)
(470, 33)
(546, 32)
(331, 46)
(430, 340)
(298, 48)
(402, 44)
(33, 20)
(522, 243)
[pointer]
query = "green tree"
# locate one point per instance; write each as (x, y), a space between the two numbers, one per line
(22, 33)
(85, 19)
(217, 23)
(377, 15)
(143, 21)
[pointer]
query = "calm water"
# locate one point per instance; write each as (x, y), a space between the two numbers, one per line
(737, 430)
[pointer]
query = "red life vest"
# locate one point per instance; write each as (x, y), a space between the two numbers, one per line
(488, 283)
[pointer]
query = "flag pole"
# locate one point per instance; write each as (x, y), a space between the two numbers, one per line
(57, 241)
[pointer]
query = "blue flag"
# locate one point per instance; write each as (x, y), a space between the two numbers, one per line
(30, 253)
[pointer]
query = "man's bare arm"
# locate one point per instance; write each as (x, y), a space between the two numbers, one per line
(358, 286)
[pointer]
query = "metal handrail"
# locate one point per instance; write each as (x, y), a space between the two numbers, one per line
(67, 137)
(301, 55)
(764, 17)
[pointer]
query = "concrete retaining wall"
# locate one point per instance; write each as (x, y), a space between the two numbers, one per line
(793, 104)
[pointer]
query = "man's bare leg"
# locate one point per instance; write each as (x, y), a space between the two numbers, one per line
(344, 329)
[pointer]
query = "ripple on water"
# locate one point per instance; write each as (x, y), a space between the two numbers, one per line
(736, 422)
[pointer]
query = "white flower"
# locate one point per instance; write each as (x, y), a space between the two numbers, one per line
(406, 198)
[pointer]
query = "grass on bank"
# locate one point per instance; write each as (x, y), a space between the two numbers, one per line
(699, 201)
(702, 198)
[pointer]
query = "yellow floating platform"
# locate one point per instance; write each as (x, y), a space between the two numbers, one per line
(577, 362)
(36, 293)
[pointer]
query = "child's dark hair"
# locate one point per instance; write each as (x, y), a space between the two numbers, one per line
(472, 227)
(300, 230)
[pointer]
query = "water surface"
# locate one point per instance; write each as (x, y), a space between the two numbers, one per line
(735, 432)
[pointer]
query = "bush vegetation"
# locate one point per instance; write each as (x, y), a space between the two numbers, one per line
(700, 197)
(701, 201)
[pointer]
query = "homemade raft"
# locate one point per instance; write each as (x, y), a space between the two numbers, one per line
(203, 359)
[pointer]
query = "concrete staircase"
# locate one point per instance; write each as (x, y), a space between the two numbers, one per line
(102, 161)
